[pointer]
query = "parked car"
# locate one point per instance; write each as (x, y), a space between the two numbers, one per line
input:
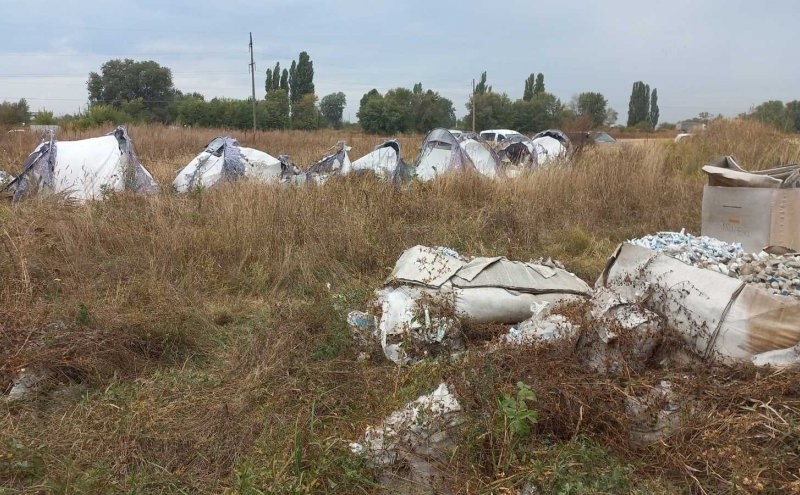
(602, 138)
(497, 136)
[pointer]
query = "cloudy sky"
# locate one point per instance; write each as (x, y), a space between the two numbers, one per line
(714, 56)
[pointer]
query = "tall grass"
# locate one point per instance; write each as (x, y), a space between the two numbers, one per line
(203, 334)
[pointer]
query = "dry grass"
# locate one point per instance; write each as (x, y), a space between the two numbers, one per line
(205, 351)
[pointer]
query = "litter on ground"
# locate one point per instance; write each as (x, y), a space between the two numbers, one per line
(418, 437)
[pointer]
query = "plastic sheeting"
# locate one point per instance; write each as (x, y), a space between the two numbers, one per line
(85, 169)
(550, 145)
(482, 155)
(383, 161)
(5, 179)
(441, 153)
(517, 155)
(336, 163)
(224, 160)
(431, 287)
(419, 437)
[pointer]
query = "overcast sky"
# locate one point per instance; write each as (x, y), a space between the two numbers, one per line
(714, 56)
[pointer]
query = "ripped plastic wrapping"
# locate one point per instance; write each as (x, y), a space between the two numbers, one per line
(419, 436)
(431, 288)
(5, 179)
(719, 317)
(487, 290)
(541, 327)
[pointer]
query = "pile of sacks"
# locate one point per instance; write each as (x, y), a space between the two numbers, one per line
(675, 281)
(670, 280)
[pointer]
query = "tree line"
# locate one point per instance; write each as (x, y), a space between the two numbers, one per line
(785, 117)
(125, 90)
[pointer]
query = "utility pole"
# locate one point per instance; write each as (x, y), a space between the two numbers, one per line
(473, 105)
(253, 81)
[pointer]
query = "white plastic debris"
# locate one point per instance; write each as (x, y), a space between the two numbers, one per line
(5, 178)
(407, 329)
(779, 358)
(541, 327)
(26, 381)
(624, 333)
(418, 436)
(703, 252)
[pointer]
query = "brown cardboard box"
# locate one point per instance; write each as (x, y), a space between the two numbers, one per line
(755, 216)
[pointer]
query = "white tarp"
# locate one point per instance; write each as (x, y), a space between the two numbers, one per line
(86, 169)
(550, 145)
(209, 167)
(441, 153)
(383, 160)
(548, 149)
(483, 159)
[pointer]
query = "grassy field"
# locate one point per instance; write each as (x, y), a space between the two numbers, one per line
(197, 343)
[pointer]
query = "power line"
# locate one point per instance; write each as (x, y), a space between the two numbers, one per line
(82, 27)
(148, 53)
(174, 74)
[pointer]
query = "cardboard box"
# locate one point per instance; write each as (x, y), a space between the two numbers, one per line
(755, 216)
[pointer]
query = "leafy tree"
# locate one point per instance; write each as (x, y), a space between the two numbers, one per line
(303, 82)
(774, 113)
(100, 114)
(593, 106)
(370, 112)
(292, 82)
(189, 110)
(276, 109)
(125, 80)
(639, 104)
(397, 110)
(543, 111)
(793, 111)
(403, 110)
(268, 81)
(284, 84)
(524, 115)
(538, 88)
(653, 118)
(44, 117)
(430, 110)
(332, 107)
(491, 110)
(611, 117)
(530, 82)
(481, 87)
(14, 113)
(305, 115)
(276, 78)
